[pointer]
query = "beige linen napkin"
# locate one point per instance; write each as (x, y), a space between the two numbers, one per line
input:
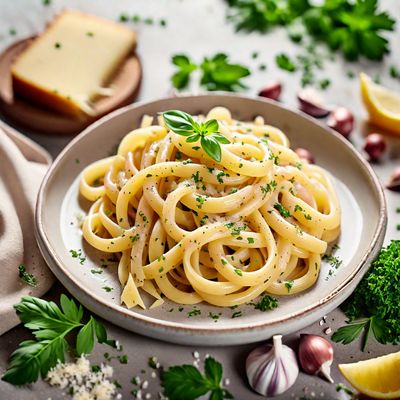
(22, 167)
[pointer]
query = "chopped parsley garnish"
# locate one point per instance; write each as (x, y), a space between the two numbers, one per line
(341, 386)
(123, 359)
(57, 45)
(250, 240)
(124, 18)
(203, 221)
(334, 261)
(107, 288)
(214, 316)
(235, 229)
(187, 382)
(78, 254)
(134, 238)
(266, 303)
(236, 314)
(289, 284)
(194, 312)
(374, 305)
(26, 277)
(284, 62)
(269, 187)
(220, 175)
(282, 210)
(96, 271)
(297, 207)
(201, 200)
(238, 272)
(152, 362)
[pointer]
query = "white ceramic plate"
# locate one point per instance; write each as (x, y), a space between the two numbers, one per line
(59, 204)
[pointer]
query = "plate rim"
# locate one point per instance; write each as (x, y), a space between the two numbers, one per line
(179, 327)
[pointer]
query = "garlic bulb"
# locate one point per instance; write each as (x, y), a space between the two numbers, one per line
(272, 369)
(316, 355)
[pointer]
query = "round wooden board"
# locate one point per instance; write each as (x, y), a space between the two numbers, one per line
(126, 84)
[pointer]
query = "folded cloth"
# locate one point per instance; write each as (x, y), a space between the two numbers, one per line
(22, 167)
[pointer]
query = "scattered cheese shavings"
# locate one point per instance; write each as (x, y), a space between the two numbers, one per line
(82, 381)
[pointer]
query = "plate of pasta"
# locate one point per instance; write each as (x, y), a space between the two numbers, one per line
(193, 218)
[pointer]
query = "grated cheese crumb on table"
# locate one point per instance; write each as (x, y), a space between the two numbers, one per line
(82, 382)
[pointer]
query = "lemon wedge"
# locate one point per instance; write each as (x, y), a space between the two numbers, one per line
(383, 105)
(377, 377)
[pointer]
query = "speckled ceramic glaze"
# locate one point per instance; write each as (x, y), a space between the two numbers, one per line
(363, 227)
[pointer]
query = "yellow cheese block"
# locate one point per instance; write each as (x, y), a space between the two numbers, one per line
(70, 64)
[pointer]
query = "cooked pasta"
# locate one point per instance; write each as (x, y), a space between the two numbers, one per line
(192, 229)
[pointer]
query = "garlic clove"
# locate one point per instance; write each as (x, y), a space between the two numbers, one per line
(272, 369)
(341, 120)
(394, 180)
(316, 355)
(271, 91)
(311, 103)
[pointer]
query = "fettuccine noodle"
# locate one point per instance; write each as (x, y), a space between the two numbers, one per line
(188, 228)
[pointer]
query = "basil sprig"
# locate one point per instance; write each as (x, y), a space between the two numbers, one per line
(207, 132)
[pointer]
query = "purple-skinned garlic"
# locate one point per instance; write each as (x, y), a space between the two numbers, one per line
(272, 368)
(316, 355)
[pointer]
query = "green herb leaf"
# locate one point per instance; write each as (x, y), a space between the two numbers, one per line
(180, 79)
(185, 382)
(84, 339)
(212, 147)
(354, 27)
(348, 333)
(184, 124)
(50, 325)
(28, 278)
(284, 62)
(179, 122)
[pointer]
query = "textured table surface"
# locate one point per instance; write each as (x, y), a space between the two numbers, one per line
(198, 28)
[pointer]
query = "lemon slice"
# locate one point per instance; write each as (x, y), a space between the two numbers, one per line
(377, 377)
(383, 105)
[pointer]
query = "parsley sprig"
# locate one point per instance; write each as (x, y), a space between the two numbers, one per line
(207, 132)
(374, 305)
(353, 26)
(26, 277)
(50, 325)
(217, 72)
(186, 382)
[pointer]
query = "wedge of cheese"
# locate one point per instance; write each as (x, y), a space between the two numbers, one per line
(70, 64)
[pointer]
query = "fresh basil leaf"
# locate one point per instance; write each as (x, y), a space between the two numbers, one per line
(85, 340)
(179, 122)
(211, 147)
(220, 138)
(210, 126)
(193, 138)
